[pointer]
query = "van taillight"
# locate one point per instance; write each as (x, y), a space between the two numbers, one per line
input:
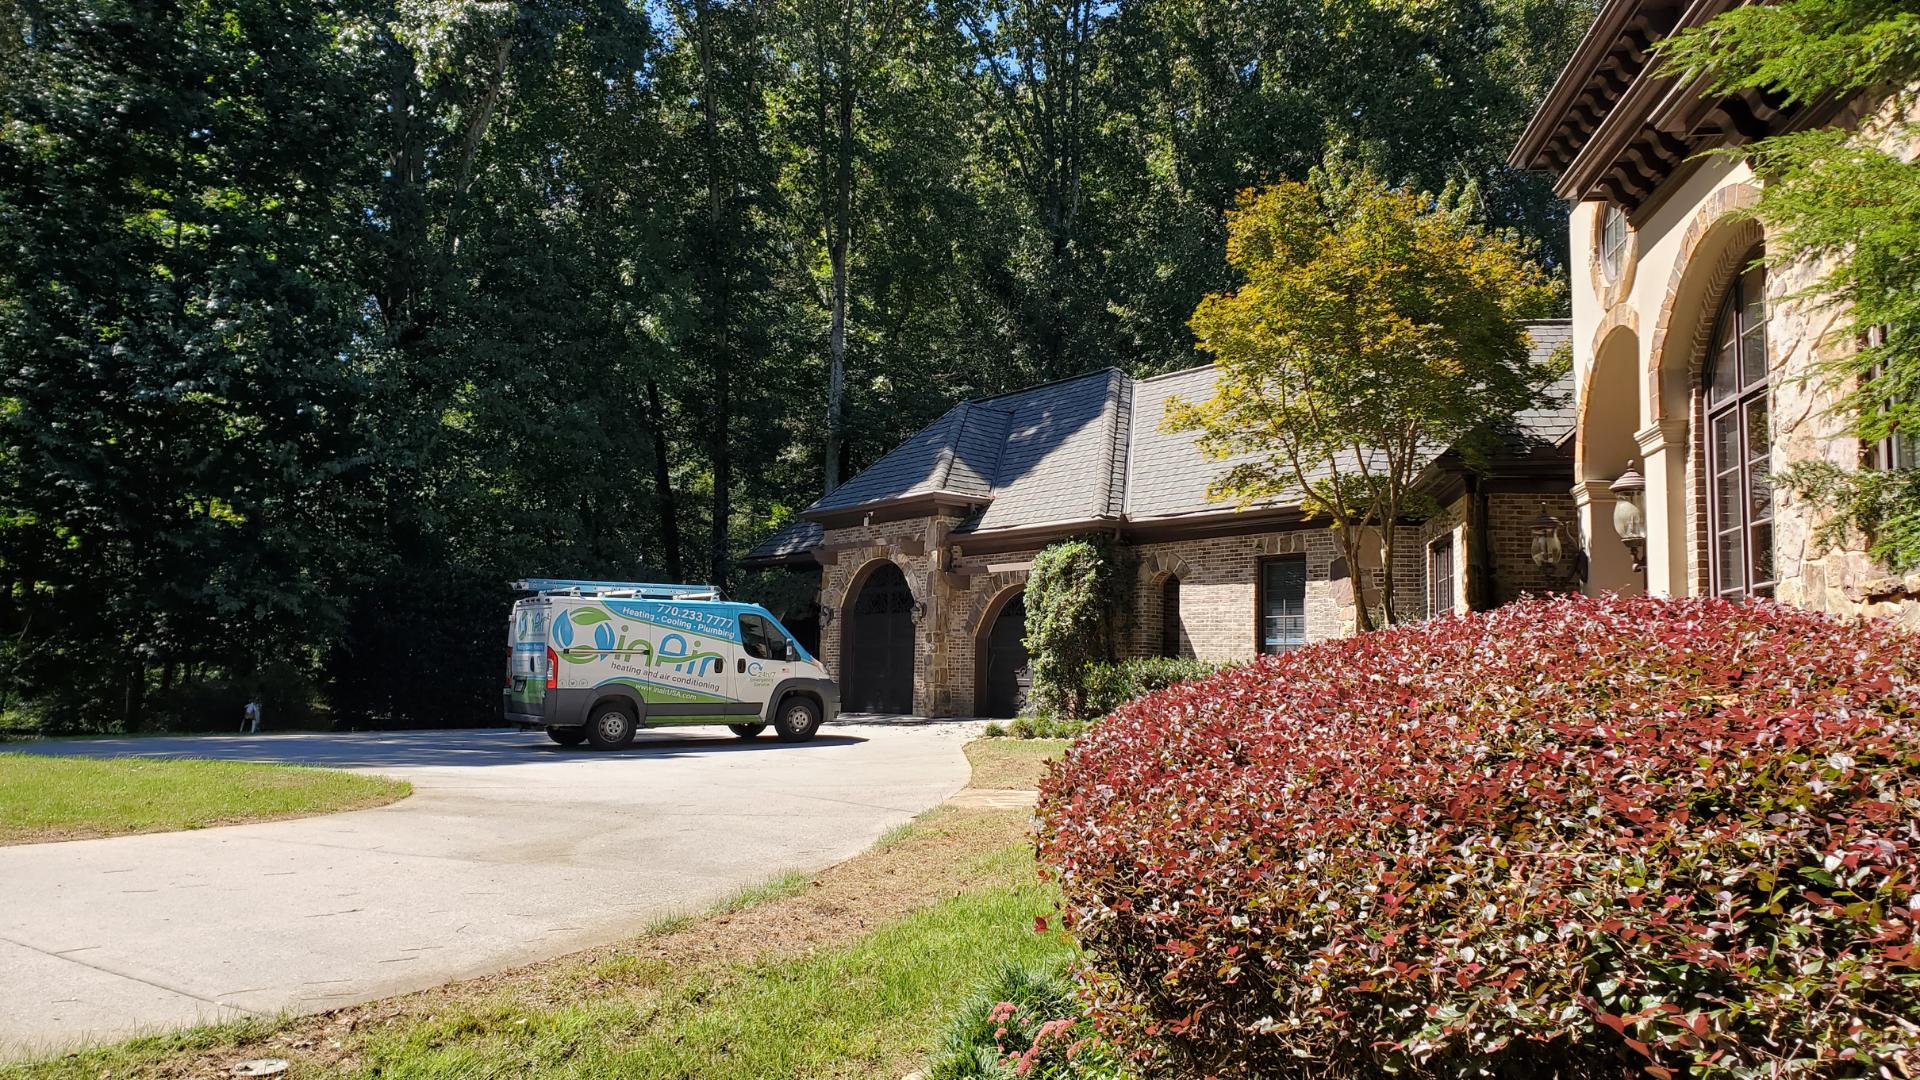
(553, 671)
(509, 675)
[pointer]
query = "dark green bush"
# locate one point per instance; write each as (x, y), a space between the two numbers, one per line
(1076, 598)
(1110, 686)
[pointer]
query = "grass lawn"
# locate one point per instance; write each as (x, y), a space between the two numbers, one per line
(1012, 763)
(852, 972)
(70, 798)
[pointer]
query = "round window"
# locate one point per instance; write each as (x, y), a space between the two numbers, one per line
(1613, 243)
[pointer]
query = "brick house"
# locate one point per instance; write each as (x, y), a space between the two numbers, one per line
(1690, 358)
(923, 557)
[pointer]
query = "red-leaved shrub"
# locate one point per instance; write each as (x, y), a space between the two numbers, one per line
(1589, 837)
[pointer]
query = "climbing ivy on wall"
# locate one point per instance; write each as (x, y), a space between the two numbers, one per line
(1078, 599)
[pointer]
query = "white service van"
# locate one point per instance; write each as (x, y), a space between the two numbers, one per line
(595, 661)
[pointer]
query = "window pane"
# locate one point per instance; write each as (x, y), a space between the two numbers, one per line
(1753, 327)
(1729, 563)
(1726, 372)
(1726, 501)
(1283, 604)
(1901, 451)
(1763, 552)
(1726, 442)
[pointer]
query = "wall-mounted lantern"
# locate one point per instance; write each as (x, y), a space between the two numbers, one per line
(1549, 549)
(1630, 516)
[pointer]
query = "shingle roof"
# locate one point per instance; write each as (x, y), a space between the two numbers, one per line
(1083, 449)
(796, 537)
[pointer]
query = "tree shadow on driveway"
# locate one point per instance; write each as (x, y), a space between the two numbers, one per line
(457, 748)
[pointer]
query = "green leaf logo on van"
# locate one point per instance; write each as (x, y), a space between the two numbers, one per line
(589, 616)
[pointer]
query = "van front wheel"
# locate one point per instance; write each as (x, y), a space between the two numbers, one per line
(799, 720)
(611, 728)
(746, 731)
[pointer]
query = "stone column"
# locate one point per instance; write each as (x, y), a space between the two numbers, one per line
(1663, 446)
(1609, 565)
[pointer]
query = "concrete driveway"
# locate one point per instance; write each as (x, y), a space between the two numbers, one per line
(510, 849)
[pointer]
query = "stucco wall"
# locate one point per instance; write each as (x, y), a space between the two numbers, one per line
(1685, 252)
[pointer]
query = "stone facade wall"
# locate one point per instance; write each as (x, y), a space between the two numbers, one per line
(957, 600)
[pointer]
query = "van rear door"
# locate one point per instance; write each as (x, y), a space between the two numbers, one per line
(527, 657)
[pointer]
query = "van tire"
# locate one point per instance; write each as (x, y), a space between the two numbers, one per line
(798, 719)
(747, 731)
(611, 727)
(567, 736)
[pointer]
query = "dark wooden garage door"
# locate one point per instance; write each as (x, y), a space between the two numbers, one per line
(1005, 653)
(878, 645)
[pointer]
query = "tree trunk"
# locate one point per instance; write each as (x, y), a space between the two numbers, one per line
(663, 485)
(1350, 547)
(834, 99)
(720, 433)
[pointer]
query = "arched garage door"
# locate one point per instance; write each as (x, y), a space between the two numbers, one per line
(877, 644)
(1003, 653)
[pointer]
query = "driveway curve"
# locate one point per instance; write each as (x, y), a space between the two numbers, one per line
(510, 850)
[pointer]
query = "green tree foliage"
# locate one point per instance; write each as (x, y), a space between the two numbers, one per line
(322, 321)
(1373, 327)
(1847, 199)
(1074, 597)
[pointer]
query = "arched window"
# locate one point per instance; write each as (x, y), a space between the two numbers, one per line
(1739, 442)
(1170, 616)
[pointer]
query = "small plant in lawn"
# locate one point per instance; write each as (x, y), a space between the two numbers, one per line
(1574, 838)
(1024, 1023)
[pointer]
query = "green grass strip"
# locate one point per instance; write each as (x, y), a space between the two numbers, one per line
(44, 797)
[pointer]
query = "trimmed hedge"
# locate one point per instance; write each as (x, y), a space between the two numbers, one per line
(1586, 837)
(1110, 686)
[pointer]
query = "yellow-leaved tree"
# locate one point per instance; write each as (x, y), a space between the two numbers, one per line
(1374, 328)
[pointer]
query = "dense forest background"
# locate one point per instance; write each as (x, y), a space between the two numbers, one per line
(322, 321)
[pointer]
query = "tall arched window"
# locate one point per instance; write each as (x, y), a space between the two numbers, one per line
(1739, 441)
(1170, 628)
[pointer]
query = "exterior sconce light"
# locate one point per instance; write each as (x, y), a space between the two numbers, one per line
(1549, 551)
(1630, 517)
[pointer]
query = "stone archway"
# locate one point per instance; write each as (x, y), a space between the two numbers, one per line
(877, 636)
(1604, 448)
(1000, 655)
(1716, 246)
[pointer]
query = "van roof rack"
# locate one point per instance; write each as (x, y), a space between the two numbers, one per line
(633, 590)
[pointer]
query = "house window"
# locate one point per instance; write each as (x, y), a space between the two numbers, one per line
(1739, 442)
(1898, 450)
(1283, 603)
(1440, 577)
(1170, 628)
(1613, 243)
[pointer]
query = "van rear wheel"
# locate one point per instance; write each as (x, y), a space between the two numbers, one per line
(799, 720)
(611, 728)
(567, 736)
(746, 731)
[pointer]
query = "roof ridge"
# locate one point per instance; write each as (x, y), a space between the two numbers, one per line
(1171, 374)
(1119, 455)
(953, 438)
(1041, 385)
